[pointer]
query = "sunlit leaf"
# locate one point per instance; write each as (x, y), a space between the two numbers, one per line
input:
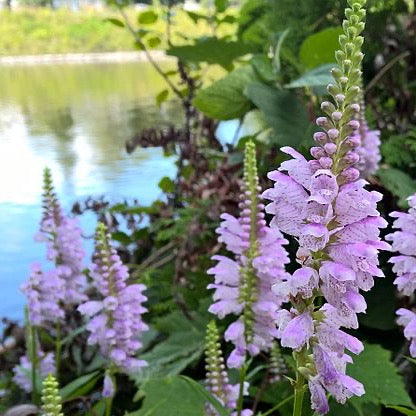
(147, 17)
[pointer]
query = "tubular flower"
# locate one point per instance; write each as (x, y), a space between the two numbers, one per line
(44, 291)
(50, 397)
(216, 375)
(45, 365)
(404, 242)
(369, 149)
(323, 203)
(116, 324)
(62, 236)
(243, 283)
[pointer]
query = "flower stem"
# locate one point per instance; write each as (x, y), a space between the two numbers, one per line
(243, 372)
(108, 406)
(34, 359)
(58, 344)
(299, 386)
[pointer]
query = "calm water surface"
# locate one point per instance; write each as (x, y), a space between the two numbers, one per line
(74, 119)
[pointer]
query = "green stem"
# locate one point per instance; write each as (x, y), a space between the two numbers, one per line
(299, 386)
(279, 405)
(109, 400)
(243, 372)
(34, 359)
(58, 348)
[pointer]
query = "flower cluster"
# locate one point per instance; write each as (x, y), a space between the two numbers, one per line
(116, 319)
(404, 242)
(48, 292)
(243, 285)
(216, 375)
(62, 236)
(45, 366)
(369, 149)
(324, 204)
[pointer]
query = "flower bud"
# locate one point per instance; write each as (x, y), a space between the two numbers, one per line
(317, 152)
(320, 137)
(325, 162)
(330, 148)
(350, 174)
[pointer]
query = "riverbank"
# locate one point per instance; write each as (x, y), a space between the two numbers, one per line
(40, 31)
(83, 58)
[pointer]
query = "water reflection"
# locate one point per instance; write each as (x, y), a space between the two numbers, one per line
(75, 119)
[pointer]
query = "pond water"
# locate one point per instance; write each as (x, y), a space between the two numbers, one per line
(74, 119)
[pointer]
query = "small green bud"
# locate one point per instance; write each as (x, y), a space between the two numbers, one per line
(50, 397)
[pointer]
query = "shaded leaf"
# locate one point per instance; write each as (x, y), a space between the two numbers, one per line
(225, 99)
(154, 42)
(221, 5)
(263, 67)
(319, 48)
(403, 410)
(121, 237)
(114, 21)
(282, 111)
(314, 78)
(382, 383)
(399, 183)
(80, 386)
(276, 57)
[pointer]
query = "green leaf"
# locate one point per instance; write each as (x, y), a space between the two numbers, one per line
(195, 17)
(399, 183)
(201, 391)
(154, 42)
(314, 78)
(382, 383)
(170, 396)
(263, 67)
(114, 21)
(319, 48)
(147, 17)
(221, 5)
(211, 50)
(225, 99)
(80, 386)
(403, 410)
(162, 97)
(282, 111)
(276, 57)
(121, 237)
(167, 185)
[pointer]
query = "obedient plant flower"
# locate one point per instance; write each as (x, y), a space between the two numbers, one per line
(22, 372)
(404, 242)
(216, 375)
(50, 397)
(116, 323)
(243, 283)
(369, 148)
(62, 236)
(324, 204)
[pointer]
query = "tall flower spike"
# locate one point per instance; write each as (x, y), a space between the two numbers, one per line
(369, 149)
(62, 236)
(404, 265)
(278, 368)
(323, 204)
(243, 283)
(216, 374)
(50, 397)
(116, 324)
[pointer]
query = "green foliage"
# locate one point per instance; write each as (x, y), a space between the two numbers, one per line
(147, 17)
(211, 50)
(283, 112)
(399, 183)
(382, 383)
(315, 78)
(403, 410)
(319, 48)
(225, 98)
(173, 396)
(80, 386)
